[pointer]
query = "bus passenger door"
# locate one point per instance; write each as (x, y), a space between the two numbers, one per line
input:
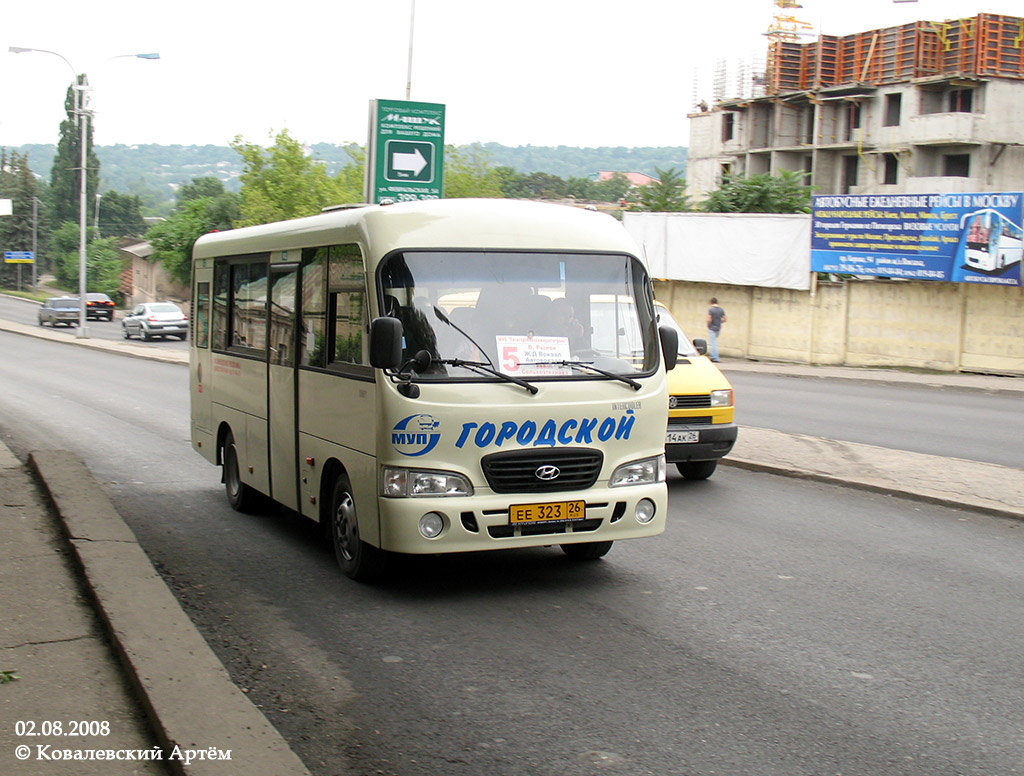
(203, 440)
(281, 379)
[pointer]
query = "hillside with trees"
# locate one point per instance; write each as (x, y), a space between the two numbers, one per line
(153, 173)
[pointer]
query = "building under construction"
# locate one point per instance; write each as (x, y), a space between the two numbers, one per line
(923, 107)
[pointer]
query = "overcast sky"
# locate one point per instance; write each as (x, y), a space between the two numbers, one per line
(529, 72)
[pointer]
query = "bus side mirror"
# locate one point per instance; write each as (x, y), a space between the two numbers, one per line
(701, 346)
(669, 345)
(386, 343)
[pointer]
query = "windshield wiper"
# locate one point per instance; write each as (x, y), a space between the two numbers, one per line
(590, 365)
(442, 317)
(482, 368)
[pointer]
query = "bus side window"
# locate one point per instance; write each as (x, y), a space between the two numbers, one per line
(249, 305)
(313, 336)
(201, 335)
(349, 317)
(221, 275)
(282, 317)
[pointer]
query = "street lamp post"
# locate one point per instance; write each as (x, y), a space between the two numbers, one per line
(82, 113)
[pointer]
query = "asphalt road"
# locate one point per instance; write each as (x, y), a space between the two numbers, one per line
(949, 422)
(22, 311)
(778, 627)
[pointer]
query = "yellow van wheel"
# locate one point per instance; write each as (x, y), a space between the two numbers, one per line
(697, 470)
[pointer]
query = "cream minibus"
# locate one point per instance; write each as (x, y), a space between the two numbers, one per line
(432, 377)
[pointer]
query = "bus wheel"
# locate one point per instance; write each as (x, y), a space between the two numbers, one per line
(697, 470)
(358, 560)
(241, 497)
(587, 550)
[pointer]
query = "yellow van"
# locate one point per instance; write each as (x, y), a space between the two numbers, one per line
(700, 408)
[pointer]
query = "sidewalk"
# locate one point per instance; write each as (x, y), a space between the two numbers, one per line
(84, 612)
(94, 635)
(53, 642)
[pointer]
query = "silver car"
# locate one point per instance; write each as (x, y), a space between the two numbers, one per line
(59, 309)
(155, 319)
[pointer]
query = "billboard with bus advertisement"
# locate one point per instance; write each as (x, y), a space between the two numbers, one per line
(965, 238)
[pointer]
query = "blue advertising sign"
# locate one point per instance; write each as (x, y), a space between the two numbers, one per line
(965, 238)
(19, 257)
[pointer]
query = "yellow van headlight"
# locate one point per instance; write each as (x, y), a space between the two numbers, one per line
(721, 397)
(399, 482)
(642, 472)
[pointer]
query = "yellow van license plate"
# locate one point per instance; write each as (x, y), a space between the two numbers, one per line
(675, 437)
(547, 513)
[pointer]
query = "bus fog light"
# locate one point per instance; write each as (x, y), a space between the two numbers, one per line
(431, 525)
(645, 510)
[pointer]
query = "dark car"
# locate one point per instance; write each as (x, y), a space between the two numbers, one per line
(59, 309)
(99, 306)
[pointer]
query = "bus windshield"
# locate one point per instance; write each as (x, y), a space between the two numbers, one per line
(530, 315)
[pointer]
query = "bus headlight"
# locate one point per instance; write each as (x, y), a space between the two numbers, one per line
(642, 472)
(431, 525)
(721, 398)
(399, 482)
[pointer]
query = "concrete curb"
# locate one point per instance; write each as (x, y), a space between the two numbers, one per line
(186, 692)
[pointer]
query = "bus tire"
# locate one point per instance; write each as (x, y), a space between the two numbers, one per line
(586, 550)
(697, 470)
(358, 560)
(241, 497)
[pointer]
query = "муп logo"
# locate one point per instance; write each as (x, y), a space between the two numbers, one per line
(416, 435)
(547, 473)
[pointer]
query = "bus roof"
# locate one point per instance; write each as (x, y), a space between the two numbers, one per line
(432, 224)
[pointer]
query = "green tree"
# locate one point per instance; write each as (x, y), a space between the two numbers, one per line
(172, 239)
(784, 193)
(283, 182)
(468, 173)
(65, 175)
(534, 185)
(103, 264)
(349, 179)
(18, 184)
(666, 194)
(610, 190)
(121, 215)
(198, 188)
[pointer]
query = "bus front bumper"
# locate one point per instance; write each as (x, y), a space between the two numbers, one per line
(482, 522)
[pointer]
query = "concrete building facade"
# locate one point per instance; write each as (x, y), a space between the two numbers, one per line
(927, 107)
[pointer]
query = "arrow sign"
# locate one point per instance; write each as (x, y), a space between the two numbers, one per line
(411, 163)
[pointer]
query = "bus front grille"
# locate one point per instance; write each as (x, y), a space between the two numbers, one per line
(507, 531)
(542, 471)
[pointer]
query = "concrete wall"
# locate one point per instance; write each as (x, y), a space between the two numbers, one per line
(945, 327)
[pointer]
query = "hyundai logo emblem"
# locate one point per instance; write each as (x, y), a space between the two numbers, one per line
(547, 472)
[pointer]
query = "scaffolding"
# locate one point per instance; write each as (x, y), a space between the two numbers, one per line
(985, 45)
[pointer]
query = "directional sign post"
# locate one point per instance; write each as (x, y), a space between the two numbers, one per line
(405, 151)
(19, 258)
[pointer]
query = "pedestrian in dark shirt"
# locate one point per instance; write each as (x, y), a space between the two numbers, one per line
(716, 317)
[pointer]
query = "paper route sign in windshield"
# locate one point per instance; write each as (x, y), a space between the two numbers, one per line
(967, 238)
